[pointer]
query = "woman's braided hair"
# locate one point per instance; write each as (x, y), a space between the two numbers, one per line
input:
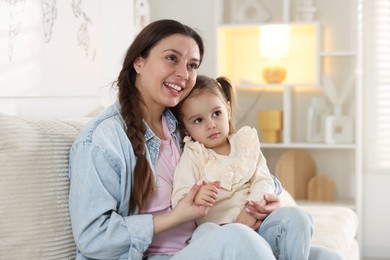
(131, 101)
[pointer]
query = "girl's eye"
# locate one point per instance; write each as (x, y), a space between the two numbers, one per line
(198, 121)
(217, 113)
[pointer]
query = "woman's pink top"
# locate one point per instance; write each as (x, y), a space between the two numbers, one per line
(172, 240)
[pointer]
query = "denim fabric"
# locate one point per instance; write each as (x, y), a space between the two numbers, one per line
(278, 185)
(288, 230)
(284, 235)
(228, 242)
(101, 165)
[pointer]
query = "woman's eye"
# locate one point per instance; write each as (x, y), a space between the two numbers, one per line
(193, 66)
(171, 58)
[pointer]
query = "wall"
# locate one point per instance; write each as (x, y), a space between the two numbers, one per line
(376, 215)
(202, 15)
(59, 58)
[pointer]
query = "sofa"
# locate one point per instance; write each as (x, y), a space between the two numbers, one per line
(34, 220)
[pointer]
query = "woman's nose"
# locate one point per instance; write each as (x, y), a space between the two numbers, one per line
(182, 72)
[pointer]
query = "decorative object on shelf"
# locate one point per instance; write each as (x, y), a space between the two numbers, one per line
(249, 11)
(270, 124)
(274, 45)
(317, 113)
(295, 168)
(321, 188)
(275, 72)
(306, 10)
(338, 127)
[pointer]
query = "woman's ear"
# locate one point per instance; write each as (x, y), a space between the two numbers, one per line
(138, 63)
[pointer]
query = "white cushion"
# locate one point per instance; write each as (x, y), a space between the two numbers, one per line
(334, 227)
(34, 186)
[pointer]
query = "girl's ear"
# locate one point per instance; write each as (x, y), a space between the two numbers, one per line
(138, 63)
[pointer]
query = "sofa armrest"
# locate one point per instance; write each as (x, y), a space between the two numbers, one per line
(34, 187)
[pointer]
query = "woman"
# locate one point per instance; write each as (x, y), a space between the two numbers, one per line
(121, 165)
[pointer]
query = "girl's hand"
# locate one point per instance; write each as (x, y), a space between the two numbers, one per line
(187, 209)
(207, 194)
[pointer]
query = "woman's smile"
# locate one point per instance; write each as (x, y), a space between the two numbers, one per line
(174, 89)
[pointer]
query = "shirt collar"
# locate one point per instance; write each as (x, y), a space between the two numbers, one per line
(172, 125)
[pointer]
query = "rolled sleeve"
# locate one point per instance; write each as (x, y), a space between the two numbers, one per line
(141, 229)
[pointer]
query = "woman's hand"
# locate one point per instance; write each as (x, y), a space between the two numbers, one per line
(245, 218)
(188, 209)
(185, 210)
(259, 211)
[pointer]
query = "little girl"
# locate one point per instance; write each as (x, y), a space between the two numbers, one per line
(229, 163)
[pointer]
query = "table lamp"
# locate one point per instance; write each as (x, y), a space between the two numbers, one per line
(274, 45)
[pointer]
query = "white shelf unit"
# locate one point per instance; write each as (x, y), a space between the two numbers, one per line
(238, 59)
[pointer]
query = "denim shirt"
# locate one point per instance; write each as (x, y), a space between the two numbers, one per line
(101, 171)
(101, 167)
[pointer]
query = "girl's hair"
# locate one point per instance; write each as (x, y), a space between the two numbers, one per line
(131, 101)
(220, 87)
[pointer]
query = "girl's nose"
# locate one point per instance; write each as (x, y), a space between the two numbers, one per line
(211, 124)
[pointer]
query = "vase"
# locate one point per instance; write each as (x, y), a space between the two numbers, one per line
(270, 124)
(338, 128)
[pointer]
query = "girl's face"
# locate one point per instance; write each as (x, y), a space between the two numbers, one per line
(206, 119)
(168, 74)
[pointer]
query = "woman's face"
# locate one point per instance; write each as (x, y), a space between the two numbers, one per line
(169, 73)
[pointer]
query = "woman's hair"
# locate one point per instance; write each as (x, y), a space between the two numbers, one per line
(220, 87)
(131, 101)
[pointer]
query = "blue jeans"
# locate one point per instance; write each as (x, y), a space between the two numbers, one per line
(288, 231)
(230, 242)
(284, 234)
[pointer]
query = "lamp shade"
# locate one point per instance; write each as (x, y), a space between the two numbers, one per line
(275, 40)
